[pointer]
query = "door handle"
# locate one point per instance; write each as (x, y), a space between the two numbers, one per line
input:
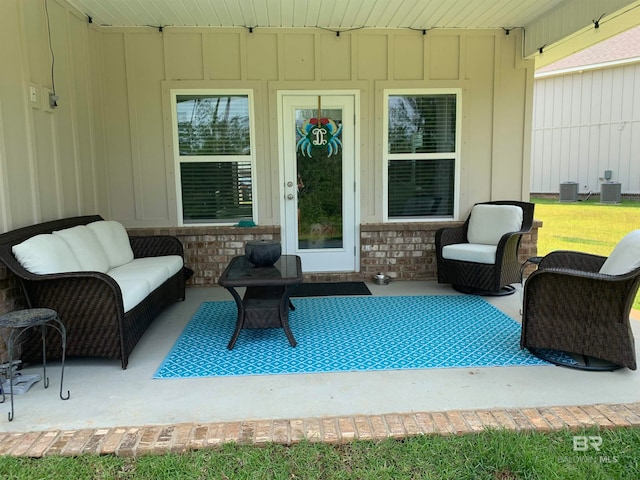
(290, 196)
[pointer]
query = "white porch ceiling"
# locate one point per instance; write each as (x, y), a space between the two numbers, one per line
(559, 27)
(331, 14)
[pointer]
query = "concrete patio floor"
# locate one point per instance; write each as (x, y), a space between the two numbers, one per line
(105, 398)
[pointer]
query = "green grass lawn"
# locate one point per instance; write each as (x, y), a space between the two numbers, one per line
(588, 226)
(491, 455)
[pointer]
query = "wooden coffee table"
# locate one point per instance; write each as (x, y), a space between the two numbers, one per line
(265, 303)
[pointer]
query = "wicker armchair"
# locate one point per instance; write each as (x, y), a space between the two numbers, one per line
(498, 266)
(571, 306)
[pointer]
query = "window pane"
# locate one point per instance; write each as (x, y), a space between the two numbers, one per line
(421, 188)
(422, 123)
(319, 174)
(213, 124)
(216, 192)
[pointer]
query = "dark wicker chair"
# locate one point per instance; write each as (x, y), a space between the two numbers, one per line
(483, 278)
(570, 307)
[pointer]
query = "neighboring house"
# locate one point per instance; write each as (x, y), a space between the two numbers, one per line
(586, 118)
(350, 130)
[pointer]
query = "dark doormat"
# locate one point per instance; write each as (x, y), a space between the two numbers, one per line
(330, 289)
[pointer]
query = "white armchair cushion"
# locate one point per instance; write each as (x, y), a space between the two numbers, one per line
(85, 247)
(625, 256)
(488, 223)
(470, 252)
(46, 253)
(114, 240)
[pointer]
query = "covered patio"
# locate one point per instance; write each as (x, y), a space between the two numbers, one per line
(91, 91)
(107, 400)
(105, 144)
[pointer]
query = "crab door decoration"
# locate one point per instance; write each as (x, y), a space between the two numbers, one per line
(320, 133)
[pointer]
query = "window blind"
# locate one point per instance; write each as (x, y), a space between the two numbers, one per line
(216, 191)
(421, 188)
(213, 125)
(422, 123)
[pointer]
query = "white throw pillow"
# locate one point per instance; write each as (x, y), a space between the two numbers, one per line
(488, 223)
(46, 253)
(114, 240)
(625, 256)
(85, 246)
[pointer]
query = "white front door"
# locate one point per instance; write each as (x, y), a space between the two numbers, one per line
(319, 161)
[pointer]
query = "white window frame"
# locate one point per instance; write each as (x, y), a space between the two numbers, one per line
(179, 159)
(420, 156)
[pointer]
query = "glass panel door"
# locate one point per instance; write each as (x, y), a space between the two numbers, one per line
(319, 168)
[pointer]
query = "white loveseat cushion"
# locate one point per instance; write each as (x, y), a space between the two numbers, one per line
(170, 263)
(470, 252)
(155, 275)
(114, 240)
(488, 223)
(86, 248)
(625, 256)
(134, 291)
(149, 271)
(46, 253)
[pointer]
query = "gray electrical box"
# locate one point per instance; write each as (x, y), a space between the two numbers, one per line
(569, 192)
(610, 192)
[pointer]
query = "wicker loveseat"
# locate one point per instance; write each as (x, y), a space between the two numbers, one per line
(100, 322)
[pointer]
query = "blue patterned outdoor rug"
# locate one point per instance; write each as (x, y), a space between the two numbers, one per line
(337, 334)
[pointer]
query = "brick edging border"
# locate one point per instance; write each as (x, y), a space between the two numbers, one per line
(179, 438)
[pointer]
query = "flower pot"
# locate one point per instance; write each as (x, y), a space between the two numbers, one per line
(262, 253)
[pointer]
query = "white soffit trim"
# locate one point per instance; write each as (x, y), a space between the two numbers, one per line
(583, 68)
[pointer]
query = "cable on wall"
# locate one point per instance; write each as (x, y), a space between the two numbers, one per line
(53, 98)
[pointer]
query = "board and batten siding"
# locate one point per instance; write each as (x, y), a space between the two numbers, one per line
(107, 148)
(583, 124)
(369, 61)
(52, 162)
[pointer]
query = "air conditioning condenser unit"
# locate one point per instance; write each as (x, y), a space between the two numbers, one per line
(569, 192)
(610, 192)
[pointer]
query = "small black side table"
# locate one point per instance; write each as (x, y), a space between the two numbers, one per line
(532, 260)
(15, 324)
